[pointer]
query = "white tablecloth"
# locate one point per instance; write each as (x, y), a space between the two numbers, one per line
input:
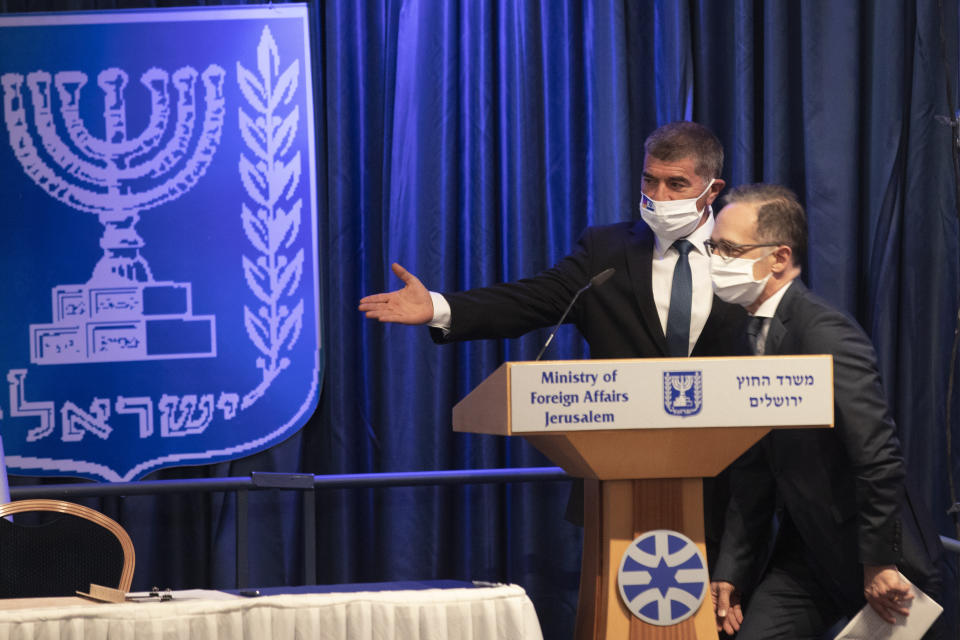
(483, 613)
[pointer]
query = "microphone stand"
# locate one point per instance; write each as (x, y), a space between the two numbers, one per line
(598, 279)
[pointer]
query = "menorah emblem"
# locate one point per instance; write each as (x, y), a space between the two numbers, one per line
(682, 384)
(682, 392)
(121, 313)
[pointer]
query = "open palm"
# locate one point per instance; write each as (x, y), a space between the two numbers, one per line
(409, 305)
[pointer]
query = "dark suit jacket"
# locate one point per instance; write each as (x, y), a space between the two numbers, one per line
(618, 319)
(842, 488)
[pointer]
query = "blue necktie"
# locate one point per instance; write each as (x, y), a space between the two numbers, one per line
(681, 296)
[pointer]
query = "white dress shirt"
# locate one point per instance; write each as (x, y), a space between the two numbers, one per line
(766, 311)
(665, 259)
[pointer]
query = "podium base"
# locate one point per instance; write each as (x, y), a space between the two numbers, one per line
(616, 512)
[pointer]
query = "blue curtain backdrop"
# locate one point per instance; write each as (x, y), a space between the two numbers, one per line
(472, 142)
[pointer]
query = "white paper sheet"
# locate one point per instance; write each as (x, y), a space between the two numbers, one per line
(868, 625)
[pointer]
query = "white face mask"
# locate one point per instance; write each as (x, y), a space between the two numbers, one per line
(672, 219)
(733, 279)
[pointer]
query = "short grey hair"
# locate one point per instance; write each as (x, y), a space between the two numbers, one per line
(683, 139)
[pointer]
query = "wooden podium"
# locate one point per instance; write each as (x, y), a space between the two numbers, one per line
(643, 433)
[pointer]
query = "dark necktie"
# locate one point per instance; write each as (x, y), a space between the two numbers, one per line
(681, 296)
(754, 331)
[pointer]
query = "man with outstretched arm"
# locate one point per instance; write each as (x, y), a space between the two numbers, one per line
(635, 313)
(658, 303)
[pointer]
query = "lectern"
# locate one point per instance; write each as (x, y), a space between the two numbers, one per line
(642, 434)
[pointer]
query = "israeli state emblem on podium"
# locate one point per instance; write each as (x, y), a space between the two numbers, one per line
(682, 392)
(160, 245)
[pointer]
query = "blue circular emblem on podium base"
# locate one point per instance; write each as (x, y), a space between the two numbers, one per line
(663, 577)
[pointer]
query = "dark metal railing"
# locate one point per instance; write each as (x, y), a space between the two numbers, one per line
(950, 544)
(308, 484)
(304, 482)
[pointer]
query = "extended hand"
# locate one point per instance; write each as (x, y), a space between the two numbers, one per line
(410, 305)
(885, 591)
(726, 605)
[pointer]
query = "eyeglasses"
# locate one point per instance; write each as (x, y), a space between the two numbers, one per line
(728, 251)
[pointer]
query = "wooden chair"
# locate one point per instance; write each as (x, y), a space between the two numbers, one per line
(65, 549)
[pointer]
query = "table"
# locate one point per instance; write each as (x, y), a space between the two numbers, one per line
(501, 612)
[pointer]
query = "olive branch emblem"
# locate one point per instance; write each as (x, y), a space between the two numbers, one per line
(272, 222)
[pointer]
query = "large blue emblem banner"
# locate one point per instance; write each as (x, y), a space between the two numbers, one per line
(159, 246)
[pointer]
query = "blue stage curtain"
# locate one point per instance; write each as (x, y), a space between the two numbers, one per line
(508, 127)
(840, 101)
(472, 142)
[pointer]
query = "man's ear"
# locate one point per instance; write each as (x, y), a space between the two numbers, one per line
(715, 189)
(783, 259)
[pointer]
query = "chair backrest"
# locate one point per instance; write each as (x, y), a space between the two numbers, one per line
(61, 555)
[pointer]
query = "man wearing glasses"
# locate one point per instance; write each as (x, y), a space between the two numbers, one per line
(844, 524)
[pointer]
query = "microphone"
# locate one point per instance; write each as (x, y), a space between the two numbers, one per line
(595, 281)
